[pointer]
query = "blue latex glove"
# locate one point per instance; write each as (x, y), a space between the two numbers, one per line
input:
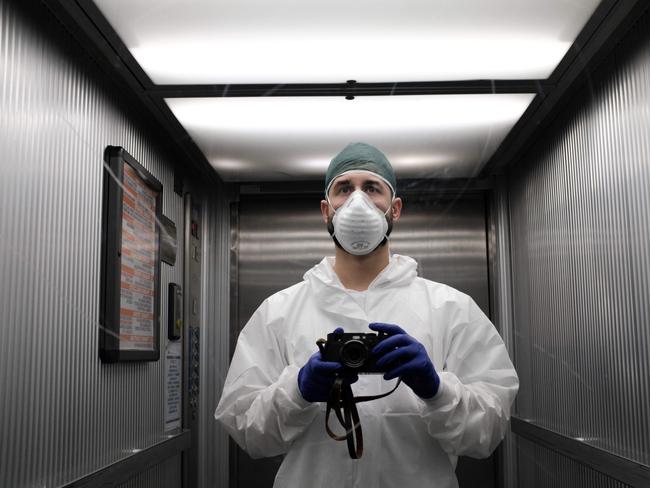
(316, 378)
(403, 356)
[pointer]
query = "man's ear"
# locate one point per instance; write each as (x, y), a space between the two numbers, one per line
(397, 208)
(324, 210)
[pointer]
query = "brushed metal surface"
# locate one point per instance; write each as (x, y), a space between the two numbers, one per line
(153, 458)
(279, 238)
(63, 413)
(447, 238)
(611, 465)
(542, 468)
(167, 473)
(580, 224)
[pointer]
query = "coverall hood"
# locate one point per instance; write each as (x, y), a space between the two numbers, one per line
(334, 299)
(401, 271)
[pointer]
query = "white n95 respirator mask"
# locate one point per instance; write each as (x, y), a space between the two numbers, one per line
(359, 226)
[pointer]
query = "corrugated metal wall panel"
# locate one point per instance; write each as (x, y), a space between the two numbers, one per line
(542, 468)
(63, 412)
(213, 441)
(581, 267)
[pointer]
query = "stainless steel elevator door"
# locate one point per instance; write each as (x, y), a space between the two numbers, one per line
(277, 239)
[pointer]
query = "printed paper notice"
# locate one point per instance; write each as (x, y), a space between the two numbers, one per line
(173, 367)
(138, 274)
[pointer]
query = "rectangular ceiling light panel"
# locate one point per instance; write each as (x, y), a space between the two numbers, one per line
(254, 41)
(293, 138)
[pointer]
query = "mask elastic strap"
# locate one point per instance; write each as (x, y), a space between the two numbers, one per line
(327, 197)
(390, 206)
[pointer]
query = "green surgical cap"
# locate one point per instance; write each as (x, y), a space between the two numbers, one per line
(360, 156)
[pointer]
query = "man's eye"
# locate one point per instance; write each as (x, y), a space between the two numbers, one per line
(371, 189)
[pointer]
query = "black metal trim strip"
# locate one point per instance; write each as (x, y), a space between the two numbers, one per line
(590, 28)
(626, 470)
(105, 29)
(125, 469)
(107, 50)
(600, 36)
(351, 89)
(405, 186)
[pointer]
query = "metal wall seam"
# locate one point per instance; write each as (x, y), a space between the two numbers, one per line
(215, 353)
(63, 412)
(501, 303)
(580, 230)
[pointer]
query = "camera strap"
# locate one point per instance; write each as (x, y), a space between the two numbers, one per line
(342, 401)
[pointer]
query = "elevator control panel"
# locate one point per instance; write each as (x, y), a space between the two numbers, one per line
(193, 368)
(192, 296)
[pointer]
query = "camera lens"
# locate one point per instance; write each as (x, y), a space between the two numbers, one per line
(353, 354)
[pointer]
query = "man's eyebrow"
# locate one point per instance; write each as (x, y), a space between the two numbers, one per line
(347, 181)
(341, 182)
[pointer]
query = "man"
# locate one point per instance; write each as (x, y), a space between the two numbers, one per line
(458, 381)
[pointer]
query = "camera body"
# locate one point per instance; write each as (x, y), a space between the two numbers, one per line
(353, 350)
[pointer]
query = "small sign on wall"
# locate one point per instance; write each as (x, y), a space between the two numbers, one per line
(130, 282)
(173, 385)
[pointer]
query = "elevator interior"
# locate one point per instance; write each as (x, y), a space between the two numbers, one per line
(541, 215)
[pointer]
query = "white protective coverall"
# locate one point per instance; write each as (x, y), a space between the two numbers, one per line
(408, 441)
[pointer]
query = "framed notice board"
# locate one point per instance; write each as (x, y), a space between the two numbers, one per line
(130, 269)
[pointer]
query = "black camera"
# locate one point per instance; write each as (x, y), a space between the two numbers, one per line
(353, 350)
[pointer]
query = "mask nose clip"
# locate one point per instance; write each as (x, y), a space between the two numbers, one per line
(367, 198)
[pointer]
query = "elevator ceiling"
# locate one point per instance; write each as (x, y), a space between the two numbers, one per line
(271, 91)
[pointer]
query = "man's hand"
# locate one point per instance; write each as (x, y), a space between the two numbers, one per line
(316, 378)
(403, 356)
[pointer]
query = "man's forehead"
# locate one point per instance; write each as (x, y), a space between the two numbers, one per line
(357, 177)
